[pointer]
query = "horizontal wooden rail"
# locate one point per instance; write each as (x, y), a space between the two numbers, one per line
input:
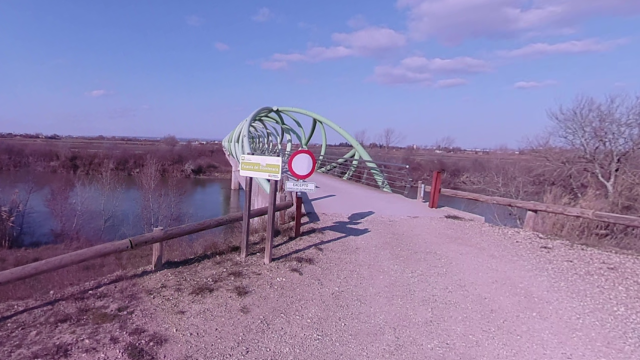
(114, 247)
(548, 208)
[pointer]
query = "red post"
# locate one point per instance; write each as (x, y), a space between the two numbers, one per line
(436, 185)
(298, 223)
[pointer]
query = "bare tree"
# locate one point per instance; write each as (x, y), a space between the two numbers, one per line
(161, 203)
(169, 140)
(602, 133)
(12, 217)
(390, 137)
(362, 137)
(446, 142)
(109, 189)
(68, 204)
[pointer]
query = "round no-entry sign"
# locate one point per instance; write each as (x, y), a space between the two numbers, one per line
(302, 164)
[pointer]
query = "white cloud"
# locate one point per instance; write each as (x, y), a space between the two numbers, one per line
(194, 20)
(569, 47)
(221, 46)
(264, 14)
(99, 93)
(370, 39)
(447, 83)
(274, 65)
(454, 65)
(397, 75)
(456, 20)
(316, 54)
(533, 84)
(417, 69)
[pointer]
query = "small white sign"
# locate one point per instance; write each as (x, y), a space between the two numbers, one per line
(265, 167)
(300, 186)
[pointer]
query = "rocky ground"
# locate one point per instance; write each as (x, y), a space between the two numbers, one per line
(355, 287)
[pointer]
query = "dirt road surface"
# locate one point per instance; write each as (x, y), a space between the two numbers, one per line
(359, 286)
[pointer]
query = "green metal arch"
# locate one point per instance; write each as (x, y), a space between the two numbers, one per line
(263, 132)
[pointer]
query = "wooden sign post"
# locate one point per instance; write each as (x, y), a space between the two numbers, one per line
(248, 184)
(302, 164)
(265, 167)
(271, 217)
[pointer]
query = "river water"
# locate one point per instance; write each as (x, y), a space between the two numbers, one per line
(202, 199)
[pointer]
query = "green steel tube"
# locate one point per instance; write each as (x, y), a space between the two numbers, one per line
(263, 132)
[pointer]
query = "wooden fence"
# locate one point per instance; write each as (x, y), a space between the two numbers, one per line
(532, 207)
(156, 237)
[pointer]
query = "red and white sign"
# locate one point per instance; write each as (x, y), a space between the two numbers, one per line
(302, 164)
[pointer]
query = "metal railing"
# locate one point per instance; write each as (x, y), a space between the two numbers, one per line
(367, 172)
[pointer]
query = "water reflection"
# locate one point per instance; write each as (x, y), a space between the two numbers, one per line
(203, 199)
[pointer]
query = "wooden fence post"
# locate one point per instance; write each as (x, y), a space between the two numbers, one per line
(436, 184)
(420, 196)
(158, 252)
(283, 214)
(298, 223)
(244, 242)
(530, 220)
(271, 217)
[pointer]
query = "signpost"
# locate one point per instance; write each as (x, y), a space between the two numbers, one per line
(264, 167)
(302, 165)
(301, 186)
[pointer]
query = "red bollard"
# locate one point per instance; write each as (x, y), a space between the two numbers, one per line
(436, 185)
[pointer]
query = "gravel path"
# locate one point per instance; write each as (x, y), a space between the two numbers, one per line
(416, 288)
(398, 288)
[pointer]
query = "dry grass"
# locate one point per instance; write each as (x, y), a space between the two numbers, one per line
(212, 243)
(86, 156)
(59, 280)
(99, 311)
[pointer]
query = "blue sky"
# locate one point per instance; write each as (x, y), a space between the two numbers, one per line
(481, 71)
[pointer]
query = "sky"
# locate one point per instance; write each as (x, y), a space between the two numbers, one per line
(481, 71)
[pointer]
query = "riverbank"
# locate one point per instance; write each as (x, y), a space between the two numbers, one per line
(92, 157)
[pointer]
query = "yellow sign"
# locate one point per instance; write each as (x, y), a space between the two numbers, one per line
(253, 166)
(266, 167)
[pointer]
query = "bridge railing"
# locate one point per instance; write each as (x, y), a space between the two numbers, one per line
(532, 207)
(396, 176)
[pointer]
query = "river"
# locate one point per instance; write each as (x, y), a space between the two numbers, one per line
(202, 198)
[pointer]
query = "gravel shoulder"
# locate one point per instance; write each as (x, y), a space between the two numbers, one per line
(363, 286)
